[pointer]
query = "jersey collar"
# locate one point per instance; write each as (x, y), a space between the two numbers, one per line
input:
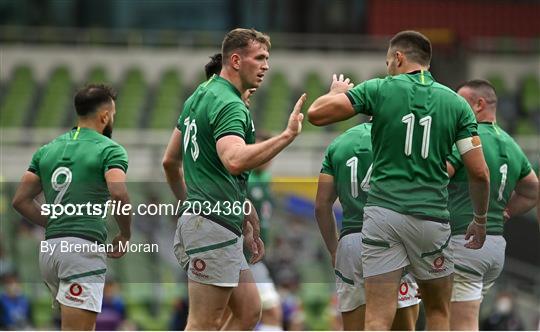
(229, 84)
(423, 76)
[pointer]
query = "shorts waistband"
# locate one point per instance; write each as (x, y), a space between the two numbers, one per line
(84, 237)
(217, 221)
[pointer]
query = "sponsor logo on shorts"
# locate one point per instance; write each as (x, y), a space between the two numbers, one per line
(438, 265)
(403, 288)
(75, 289)
(404, 293)
(198, 266)
(74, 299)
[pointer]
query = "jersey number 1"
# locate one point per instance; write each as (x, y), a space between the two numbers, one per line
(424, 122)
(353, 164)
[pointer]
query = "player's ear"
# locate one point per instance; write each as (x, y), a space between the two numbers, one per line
(400, 58)
(481, 103)
(235, 61)
(104, 115)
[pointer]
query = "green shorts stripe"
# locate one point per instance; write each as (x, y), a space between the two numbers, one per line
(466, 270)
(376, 243)
(426, 254)
(212, 246)
(345, 279)
(85, 274)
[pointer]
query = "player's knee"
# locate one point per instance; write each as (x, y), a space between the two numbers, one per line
(208, 324)
(253, 315)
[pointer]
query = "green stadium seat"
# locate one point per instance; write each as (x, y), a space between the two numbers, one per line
(275, 113)
(131, 99)
(55, 100)
(530, 95)
(498, 83)
(169, 97)
(97, 75)
(525, 127)
(314, 88)
(18, 97)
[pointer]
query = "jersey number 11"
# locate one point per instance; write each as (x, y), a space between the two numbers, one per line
(424, 122)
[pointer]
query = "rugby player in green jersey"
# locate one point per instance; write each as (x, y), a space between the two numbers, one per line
(213, 149)
(513, 191)
(260, 196)
(416, 121)
(80, 168)
(345, 174)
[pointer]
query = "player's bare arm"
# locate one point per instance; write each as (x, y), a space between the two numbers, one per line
(324, 201)
(237, 156)
(538, 204)
(524, 197)
(251, 232)
(172, 165)
(116, 183)
(333, 106)
(24, 199)
(478, 175)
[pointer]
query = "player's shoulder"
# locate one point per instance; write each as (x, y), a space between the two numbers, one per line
(221, 94)
(445, 92)
(509, 140)
(54, 142)
(102, 143)
(353, 134)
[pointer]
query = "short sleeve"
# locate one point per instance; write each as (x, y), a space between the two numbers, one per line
(363, 97)
(181, 118)
(115, 156)
(233, 119)
(454, 158)
(327, 167)
(526, 167)
(467, 126)
(34, 163)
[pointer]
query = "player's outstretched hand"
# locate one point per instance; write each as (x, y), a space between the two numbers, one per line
(294, 127)
(477, 232)
(340, 84)
(117, 253)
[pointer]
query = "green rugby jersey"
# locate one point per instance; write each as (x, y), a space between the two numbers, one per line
(348, 159)
(415, 123)
(72, 170)
(259, 193)
(213, 111)
(507, 165)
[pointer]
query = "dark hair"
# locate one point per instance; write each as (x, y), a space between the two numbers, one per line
(214, 66)
(240, 38)
(415, 45)
(483, 88)
(91, 97)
